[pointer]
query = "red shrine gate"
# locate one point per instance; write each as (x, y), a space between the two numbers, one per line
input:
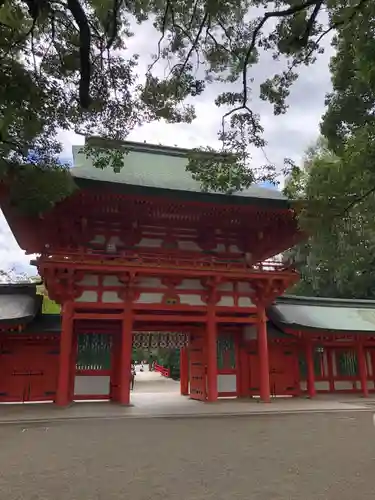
(145, 255)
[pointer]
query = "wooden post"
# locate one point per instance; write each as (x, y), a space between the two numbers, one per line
(362, 367)
(115, 366)
(73, 363)
(238, 363)
(331, 377)
(184, 371)
(126, 355)
(63, 393)
(310, 369)
(211, 332)
(264, 371)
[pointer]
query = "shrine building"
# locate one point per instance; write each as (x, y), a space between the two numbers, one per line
(145, 258)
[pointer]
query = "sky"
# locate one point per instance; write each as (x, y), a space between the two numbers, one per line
(288, 135)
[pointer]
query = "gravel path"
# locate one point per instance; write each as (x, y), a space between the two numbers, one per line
(305, 457)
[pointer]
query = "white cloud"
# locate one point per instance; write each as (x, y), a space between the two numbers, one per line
(287, 136)
(11, 255)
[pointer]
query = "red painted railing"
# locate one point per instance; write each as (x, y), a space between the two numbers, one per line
(165, 372)
(160, 259)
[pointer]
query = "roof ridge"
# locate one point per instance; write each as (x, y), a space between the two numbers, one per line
(303, 299)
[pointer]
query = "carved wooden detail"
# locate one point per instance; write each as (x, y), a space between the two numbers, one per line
(265, 291)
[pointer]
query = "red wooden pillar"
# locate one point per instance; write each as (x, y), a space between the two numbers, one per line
(237, 350)
(126, 356)
(211, 332)
(115, 366)
(63, 393)
(362, 367)
(184, 371)
(264, 371)
(310, 369)
(73, 363)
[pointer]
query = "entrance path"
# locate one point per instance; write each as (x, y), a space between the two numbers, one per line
(288, 457)
(153, 382)
(171, 405)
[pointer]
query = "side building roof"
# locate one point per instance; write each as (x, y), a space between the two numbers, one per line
(19, 303)
(150, 167)
(325, 314)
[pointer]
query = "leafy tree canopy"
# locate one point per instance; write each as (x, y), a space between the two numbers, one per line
(337, 260)
(65, 66)
(352, 101)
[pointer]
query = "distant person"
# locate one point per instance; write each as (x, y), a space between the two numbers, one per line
(132, 376)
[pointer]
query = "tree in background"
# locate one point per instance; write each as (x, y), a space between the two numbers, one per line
(337, 212)
(65, 66)
(337, 179)
(350, 105)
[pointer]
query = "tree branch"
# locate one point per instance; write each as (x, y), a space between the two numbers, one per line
(194, 42)
(355, 202)
(164, 25)
(268, 15)
(116, 7)
(85, 46)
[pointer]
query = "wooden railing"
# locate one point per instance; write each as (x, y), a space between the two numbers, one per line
(165, 372)
(177, 260)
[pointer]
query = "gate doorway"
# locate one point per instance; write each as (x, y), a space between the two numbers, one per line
(158, 380)
(28, 370)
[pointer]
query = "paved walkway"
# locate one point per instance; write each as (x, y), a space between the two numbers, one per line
(289, 457)
(155, 396)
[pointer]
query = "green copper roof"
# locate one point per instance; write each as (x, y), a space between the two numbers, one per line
(310, 313)
(160, 167)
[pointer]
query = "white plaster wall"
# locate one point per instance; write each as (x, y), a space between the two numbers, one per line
(342, 385)
(227, 383)
(115, 240)
(322, 385)
(111, 281)
(191, 300)
(89, 280)
(99, 239)
(190, 284)
(110, 296)
(370, 384)
(91, 385)
(148, 282)
(188, 246)
(88, 296)
(234, 249)
(220, 247)
(303, 385)
(150, 298)
(225, 287)
(243, 286)
(150, 243)
(244, 302)
(226, 301)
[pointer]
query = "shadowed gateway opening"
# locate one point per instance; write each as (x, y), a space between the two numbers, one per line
(161, 360)
(174, 363)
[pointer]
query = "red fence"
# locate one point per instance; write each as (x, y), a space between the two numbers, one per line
(165, 372)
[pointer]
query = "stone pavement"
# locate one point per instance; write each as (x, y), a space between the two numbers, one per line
(323, 456)
(155, 396)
